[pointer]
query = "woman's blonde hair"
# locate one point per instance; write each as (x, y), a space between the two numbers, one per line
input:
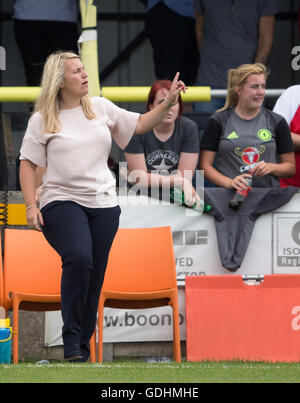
(237, 78)
(49, 100)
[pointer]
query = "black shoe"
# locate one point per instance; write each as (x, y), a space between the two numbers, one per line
(75, 358)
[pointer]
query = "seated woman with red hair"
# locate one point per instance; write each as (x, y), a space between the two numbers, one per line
(167, 156)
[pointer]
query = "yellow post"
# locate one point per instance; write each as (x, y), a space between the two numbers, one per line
(140, 94)
(88, 45)
(19, 94)
(115, 94)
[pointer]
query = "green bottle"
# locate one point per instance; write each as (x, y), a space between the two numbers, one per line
(178, 196)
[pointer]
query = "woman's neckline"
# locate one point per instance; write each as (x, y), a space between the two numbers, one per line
(159, 136)
(71, 109)
(247, 118)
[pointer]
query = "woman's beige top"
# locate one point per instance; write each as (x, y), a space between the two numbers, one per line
(76, 157)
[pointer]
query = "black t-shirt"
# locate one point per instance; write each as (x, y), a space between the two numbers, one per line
(239, 143)
(163, 156)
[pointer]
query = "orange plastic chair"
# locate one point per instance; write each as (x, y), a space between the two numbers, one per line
(32, 276)
(141, 273)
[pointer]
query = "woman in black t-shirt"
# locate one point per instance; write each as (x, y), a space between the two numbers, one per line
(243, 135)
(167, 156)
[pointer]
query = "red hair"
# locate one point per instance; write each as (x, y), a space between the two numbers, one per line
(158, 85)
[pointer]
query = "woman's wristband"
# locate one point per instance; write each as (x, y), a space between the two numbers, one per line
(170, 104)
(29, 207)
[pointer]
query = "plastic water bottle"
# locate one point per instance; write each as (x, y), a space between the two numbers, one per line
(178, 196)
(240, 195)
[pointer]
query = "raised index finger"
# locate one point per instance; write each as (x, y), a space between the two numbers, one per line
(176, 77)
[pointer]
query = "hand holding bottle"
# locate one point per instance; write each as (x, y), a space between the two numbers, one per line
(243, 187)
(240, 181)
(191, 197)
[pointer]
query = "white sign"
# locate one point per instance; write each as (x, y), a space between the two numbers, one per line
(286, 244)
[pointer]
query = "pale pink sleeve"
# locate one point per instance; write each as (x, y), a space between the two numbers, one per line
(122, 123)
(33, 148)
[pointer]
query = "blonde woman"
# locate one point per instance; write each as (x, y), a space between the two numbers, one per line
(245, 135)
(70, 134)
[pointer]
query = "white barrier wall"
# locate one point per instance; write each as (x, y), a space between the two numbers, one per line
(274, 248)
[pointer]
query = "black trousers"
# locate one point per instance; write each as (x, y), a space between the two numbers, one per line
(173, 40)
(82, 237)
(38, 39)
